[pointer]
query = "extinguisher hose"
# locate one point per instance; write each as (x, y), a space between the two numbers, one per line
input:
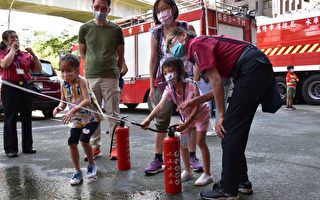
(170, 128)
(151, 129)
(113, 133)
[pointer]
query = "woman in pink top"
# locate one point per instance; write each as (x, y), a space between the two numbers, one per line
(178, 90)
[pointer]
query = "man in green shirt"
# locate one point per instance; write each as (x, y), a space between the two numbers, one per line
(101, 44)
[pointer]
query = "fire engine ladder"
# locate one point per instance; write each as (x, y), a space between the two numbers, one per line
(220, 7)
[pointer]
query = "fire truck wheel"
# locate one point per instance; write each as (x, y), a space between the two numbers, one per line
(281, 81)
(131, 105)
(311, 90)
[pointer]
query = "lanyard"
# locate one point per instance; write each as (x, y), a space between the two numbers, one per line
(183, 97)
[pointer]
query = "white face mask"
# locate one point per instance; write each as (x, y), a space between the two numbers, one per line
(170, 77)
(165, 16)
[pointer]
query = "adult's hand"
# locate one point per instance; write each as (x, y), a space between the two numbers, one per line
(29, 50)
(152, 94)
(15, 45)
(186, 104)
(220, 129)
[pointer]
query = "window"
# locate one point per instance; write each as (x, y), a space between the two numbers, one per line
(307, 0)
(293, 5)
(238, 0)
(287, 6)
(267, 4)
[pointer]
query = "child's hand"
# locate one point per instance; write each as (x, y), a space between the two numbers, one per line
(181, 127)
(67, 118)
(56, 111)
(145, 124)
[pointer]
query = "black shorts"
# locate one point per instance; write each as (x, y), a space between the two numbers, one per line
(83, 134)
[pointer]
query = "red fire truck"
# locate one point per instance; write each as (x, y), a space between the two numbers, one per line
(294, 39)
(207, 18)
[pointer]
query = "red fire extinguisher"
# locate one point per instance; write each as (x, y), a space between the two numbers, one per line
(172, 166)
(123, 147)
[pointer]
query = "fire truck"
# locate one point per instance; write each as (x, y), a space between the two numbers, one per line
(294, 39)
(207, 19)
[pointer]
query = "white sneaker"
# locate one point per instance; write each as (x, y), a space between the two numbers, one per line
(211, 132)
(185, 176)
(204, 179)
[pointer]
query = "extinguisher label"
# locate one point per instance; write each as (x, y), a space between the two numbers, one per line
(172, 165)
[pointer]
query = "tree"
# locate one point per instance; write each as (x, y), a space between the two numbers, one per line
(52, 49)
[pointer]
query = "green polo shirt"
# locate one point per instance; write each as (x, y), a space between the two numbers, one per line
(101, 49)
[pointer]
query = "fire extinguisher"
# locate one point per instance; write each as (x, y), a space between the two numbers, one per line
(172, 166)
(123, 146)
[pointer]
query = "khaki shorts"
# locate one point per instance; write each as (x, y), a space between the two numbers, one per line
(164, 116)
(291, 92)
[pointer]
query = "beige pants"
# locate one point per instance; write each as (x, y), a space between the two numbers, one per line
(106, 89)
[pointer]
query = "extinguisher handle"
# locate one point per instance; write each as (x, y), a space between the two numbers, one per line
(137, 124)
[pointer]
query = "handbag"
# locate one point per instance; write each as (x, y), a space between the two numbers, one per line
(31, 86)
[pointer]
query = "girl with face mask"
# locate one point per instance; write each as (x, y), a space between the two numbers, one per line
(165, 14)
(196, 118)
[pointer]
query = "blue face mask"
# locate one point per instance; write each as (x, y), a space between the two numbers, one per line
(100, 15)
(178, 50)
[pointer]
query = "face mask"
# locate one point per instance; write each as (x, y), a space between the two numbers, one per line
(170, 77)
(178, 50)
(165, 16)
(100, 15)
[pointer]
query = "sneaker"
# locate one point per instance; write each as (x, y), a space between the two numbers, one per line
(96, 154)
(211, 133)
(92, 171)
(288, 108)
(195, 164)
(114, 154)
(217, 193)
(154, 167)
(245, 188)
(185, 176)
(76, 178)
(204, 179)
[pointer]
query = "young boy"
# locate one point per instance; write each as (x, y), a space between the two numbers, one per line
(291, 80)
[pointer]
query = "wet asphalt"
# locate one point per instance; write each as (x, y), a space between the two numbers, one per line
(283, 155)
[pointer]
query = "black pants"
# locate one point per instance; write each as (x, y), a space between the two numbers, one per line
(253, 77)
(16, 101)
